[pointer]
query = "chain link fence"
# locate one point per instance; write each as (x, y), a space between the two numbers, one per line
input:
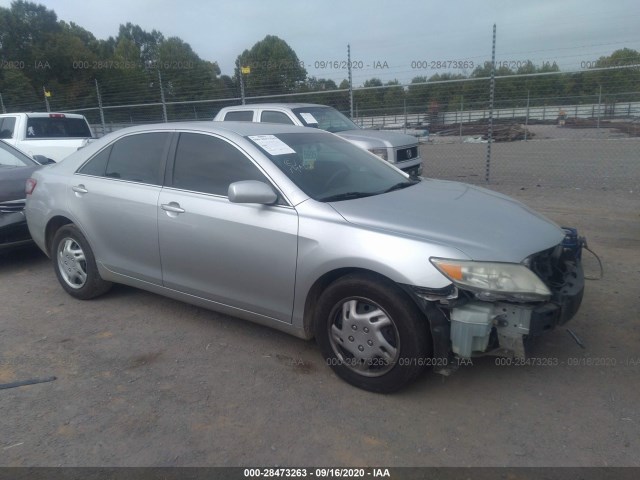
(550, 139)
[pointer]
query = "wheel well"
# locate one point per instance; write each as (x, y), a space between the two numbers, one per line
(322, 283)
(52, 227)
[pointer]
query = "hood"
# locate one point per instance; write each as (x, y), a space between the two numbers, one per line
(389, 139)
(484, 225)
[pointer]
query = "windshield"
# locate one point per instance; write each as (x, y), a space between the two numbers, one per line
(328, 168)
(10, 157)
(324, 118)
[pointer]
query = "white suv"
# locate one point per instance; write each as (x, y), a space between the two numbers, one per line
(396, 148)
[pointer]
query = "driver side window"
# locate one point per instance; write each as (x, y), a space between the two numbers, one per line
(207, 164)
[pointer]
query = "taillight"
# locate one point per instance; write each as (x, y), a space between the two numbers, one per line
(56, 115)
(30, 186)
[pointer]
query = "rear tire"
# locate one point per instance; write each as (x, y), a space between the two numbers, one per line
(75, 265)
(371, 334)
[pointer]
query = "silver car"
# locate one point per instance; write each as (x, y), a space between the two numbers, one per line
(300, 230)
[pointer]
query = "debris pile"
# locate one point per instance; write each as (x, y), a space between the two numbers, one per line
(501, 132)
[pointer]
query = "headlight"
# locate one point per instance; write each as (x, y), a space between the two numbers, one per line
(381, 152)
(494, 281)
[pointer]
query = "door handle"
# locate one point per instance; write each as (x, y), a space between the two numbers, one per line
(172, 207)
(79, 189)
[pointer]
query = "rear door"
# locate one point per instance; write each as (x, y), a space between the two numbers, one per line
(241, 255)
(114, 198)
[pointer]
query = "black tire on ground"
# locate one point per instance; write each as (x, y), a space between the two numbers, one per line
(75, 265)
(371, 333)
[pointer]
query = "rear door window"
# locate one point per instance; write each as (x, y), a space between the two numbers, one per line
(135, 158)
(271, 116)
(239, 116)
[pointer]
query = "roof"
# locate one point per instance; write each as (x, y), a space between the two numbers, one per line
(239, 128)
(43, 114)
(274, 105)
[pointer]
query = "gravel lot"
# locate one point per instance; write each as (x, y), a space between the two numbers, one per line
(556, 157)
(143, 380)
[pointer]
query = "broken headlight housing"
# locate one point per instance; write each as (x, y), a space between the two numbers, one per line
(494, 281)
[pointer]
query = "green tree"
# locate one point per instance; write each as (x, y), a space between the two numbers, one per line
(418, 95)
(394, 97)
(275, 68)
(370, 99)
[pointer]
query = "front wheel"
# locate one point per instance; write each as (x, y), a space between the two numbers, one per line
(75, 265)
(371, 334)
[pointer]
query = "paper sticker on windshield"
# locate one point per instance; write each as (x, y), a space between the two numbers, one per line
(307, 117)
(272, 144)
(309, 156)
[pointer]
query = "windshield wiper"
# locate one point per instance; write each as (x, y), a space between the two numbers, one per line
(400, 185)
(345, 196)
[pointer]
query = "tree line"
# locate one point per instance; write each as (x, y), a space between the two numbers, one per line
(39, 53)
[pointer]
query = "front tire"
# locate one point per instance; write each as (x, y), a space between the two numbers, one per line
(75, 265)
(371, 334)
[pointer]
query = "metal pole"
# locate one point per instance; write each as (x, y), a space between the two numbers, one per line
(526, 120)
(104, 129)
(405, 115)
(4, 110)
(46, 99)
(164, 105)
(241, 83)
(599, 102)
(461, 109)
(350, 81)
(491, 95)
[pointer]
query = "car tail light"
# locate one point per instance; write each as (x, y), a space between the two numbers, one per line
(30, 186)
(56, 115)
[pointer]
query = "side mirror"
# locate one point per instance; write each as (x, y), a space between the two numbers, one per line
(252, 191)
(42, 160)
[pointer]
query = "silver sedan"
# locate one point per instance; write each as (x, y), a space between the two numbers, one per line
(297, 229)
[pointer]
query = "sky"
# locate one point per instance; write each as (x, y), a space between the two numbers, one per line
(389, 39)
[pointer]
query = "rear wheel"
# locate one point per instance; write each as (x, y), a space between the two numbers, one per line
(371, 334)
(75, 265)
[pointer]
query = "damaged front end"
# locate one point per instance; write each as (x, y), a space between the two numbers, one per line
(498, 309)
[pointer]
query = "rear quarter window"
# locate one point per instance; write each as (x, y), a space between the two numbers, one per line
(7, 124)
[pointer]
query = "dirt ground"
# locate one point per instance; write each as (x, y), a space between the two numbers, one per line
(143, 380)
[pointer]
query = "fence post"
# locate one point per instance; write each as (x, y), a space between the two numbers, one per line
(492, 87)
(240, 75)
(526, 119)
(461, 114)
(46, 98)
(104, 129)
(350, 81)
(405, 115)
(164, 105)
(599, 101)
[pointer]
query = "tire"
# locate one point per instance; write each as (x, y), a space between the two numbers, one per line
(75, 265)
(371, 334)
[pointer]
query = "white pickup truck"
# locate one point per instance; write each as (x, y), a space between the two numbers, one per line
(52, 135)
(396, 148)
